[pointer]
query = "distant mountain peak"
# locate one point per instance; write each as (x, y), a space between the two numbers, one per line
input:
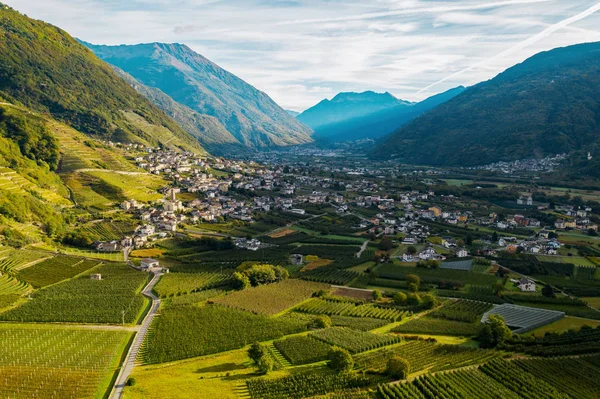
(347, 105)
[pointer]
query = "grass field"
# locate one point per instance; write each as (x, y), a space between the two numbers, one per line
(58, 362)
(216, 376)
(576, 260)
(593, 301)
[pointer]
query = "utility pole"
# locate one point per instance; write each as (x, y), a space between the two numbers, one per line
(123, 316)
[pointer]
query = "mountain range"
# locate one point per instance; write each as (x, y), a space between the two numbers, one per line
(356, 117)
(547, 105)
(244, 113)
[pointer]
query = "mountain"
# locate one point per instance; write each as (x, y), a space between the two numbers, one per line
(46, 70)
(253, 118)
(206, 129)
(292, 113)
(381, 123)
(346, 106)
(548, 104)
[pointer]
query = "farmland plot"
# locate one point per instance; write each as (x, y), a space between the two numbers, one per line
(57, 362)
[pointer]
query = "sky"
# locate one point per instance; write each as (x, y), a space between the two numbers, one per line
(300, 52)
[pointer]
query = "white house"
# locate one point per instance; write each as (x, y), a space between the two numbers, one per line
(526, 285)
(149, 263)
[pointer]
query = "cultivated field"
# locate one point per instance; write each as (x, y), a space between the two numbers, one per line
(57, 362)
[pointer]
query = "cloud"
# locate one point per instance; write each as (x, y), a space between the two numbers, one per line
(521, 45)
(299, 52)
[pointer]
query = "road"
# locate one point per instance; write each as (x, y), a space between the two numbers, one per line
(129, 362)
(362, 249)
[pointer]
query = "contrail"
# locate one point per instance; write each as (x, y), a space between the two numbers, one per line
(431, 10)
(519, 46)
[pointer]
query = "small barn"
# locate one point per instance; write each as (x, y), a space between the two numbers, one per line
(296, 259)
(149, 263)
(96, 276)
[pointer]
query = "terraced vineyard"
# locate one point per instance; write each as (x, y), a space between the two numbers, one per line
(337, 308)
(11, 286)
(57, 362)
(423, 355)
(15, 259)
(81, 152)
(353, 340)
(12, 181)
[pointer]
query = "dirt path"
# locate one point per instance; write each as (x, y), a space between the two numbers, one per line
(134, 350)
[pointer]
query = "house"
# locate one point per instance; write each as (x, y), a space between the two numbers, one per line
(96, 276)
(296, 259)
(461, 253)
(408, 258)
(110, 246)
(437, 211)
(526, 285)
(149, 263)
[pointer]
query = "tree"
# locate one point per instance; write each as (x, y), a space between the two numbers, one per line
(386, 244)
(256, 351)
(497, 287)
(340, 359)
(494, 332)
(377, 295)
(240, 281)
(413, 299)
(400, 298)
(495, 237)
(261, 274)
(322, 321)
(281, 273)
(548, 291)
(592, 232)
(397, 368)
(469, 239)
(428, 301)
(265, 364)
(411, 250)
(414, 282)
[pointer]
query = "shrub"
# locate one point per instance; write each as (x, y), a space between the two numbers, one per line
(340, 359)
(400, 298)
(323, 321)
(398, 368)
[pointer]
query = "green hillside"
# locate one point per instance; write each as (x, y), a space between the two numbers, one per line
(547, 105)
(46, 70)
(206, 129)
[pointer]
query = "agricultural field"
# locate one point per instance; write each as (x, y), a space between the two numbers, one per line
(11, 286)
(354, 341)
(438, 326)
(58, 362)
(423, 355)
(54, 270)
(304, 385)
(358, 323)
(188, 331)
(565, 324)
(329, 275)
(15, 259)
(106, 230)
(83, 300)
(302, 349)
(273, 298)
(435, 276)
(343, 308)
(175, 284)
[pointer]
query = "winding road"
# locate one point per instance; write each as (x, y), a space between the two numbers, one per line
(129, 362)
